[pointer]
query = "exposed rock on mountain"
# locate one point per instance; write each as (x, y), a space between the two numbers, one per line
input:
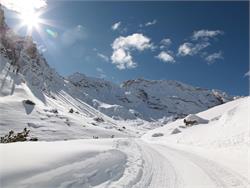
(147, 99)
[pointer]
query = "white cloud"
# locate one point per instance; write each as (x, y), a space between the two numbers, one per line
(23, 6)
(191, 49)
(122, 59)
(151, 23)
(213, 57)
(104, 57)
(116, 26)
(135, 41)
(73, 35)
(198, 42)
(165, 43)
(122, 47)
(247, 74)
(206, 34)
(166, 57)
(185, 49)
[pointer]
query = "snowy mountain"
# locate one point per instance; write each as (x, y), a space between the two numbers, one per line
(146, 99)
(135, 99)
(92, 106)
(57, 112)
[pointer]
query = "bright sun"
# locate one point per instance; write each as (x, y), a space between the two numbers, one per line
(30, 19)
(29, 14)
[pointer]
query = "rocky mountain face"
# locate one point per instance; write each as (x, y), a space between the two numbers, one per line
(147, 99)
(144, 99)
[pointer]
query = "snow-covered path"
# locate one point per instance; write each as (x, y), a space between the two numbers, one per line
(177, 168)
(114, 163)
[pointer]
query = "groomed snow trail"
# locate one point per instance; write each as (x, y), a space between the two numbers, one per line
(145, 167)
(110, 163)
(165, 167)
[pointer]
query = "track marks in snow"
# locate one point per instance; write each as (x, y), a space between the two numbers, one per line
(145, 167)
(197, 171)
(159, 166)
(157, 171)
(118, 163)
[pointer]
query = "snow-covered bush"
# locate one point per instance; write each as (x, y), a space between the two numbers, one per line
(17, 137)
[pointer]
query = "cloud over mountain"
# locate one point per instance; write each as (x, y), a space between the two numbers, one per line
(123, 46)
(165, 57)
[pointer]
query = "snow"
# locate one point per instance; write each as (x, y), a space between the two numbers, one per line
(122, 150)
(224, 140)
(60, 164)
(205, 155)
(40, 119)
(215, 154)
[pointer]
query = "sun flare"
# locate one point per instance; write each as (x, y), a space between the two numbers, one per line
(30, 19)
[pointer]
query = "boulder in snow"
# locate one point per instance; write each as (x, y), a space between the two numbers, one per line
(176, 131)
(71, 111)
(193, 119)
(99, 119)
(157, 134)
(29, 102)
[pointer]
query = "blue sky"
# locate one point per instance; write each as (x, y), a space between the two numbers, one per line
(204, 44)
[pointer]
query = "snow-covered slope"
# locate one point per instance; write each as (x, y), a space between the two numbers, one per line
(224, 139)
(227, 125)
(49, 118)
(25, 75)
(30, 77)
(211, 155)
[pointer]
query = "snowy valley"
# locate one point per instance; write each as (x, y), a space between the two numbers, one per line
(90, 132)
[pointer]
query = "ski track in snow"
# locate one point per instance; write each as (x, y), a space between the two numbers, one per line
(191, 170)
(164, 167)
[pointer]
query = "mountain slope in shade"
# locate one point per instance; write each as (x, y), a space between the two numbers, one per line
(146, 99)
